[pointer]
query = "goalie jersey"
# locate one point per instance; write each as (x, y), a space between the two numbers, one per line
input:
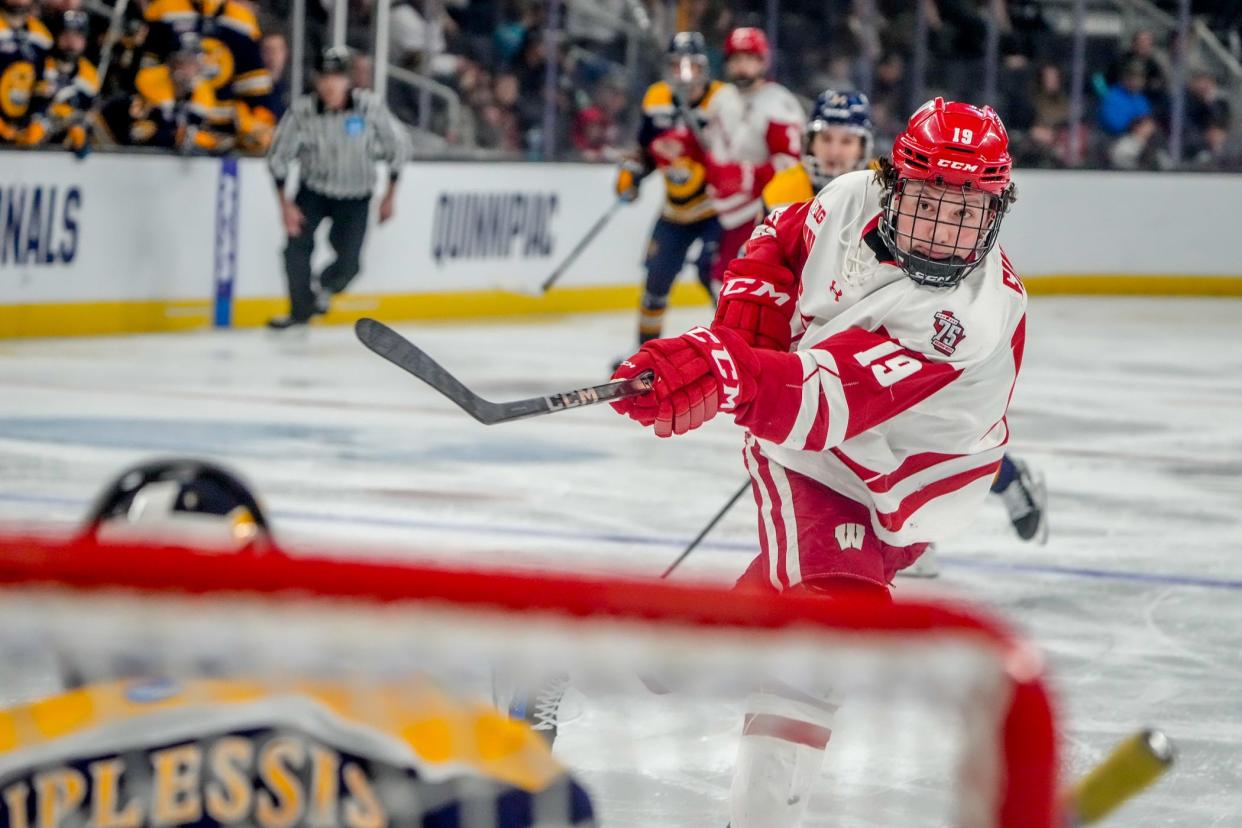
(212, 753)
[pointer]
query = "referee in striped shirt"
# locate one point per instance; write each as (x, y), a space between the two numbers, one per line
(336, 135)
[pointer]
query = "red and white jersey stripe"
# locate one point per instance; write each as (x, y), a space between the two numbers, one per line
(763, 128)
(903, 389)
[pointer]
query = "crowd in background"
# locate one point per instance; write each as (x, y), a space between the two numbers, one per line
(185, 75)
(493, 58)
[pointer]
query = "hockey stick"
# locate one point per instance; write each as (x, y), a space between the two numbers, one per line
(692, 123)
(1132, 766)
(711, 524)
(407, 356)
(599, 225)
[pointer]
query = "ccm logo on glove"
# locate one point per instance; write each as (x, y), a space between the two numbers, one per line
(726, 369)
(754, 287)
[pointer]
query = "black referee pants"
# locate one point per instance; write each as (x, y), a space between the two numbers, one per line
(349, 229)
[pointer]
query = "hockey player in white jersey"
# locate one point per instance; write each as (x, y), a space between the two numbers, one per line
(868, 341)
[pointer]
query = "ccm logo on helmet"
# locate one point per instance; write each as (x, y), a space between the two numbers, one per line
(957, 165)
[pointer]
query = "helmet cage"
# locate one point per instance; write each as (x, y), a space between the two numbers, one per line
(684, 72)
(686, 65)
(925, 269)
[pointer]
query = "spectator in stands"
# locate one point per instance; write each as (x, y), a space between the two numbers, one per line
(1026, 36)
(1125, 101)
(498, 129)
(412, 39)
(1049, 100)
(714, 19)
(1196, 56)
(518, 19)
(1212, 153)
(505, 90)
(1140, 148)
(275, 50)
(596, 130)
(1206, 104)
(1152, 63)
(1036, 148)
(530, 71)
(594, 25)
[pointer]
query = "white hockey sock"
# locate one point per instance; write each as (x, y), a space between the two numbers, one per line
(778, 758)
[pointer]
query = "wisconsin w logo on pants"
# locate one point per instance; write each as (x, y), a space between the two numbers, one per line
(850, 536)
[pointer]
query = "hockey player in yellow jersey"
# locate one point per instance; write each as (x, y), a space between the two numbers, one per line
(233, 64)
(69, 86)
(838, 140)
(688, 213)
(24, 46)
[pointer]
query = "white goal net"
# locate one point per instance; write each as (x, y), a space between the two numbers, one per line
(164, 686)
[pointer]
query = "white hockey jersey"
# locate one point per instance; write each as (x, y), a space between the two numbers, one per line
(903, 388)
(763, 129)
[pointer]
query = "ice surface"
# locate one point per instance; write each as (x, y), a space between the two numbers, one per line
(1131, 407)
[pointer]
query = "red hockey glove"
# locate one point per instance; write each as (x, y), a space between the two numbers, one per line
(757, 303)
(674, 144)
(727, 178)
(697, 375)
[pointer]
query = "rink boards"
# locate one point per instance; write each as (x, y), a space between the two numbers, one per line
(117, 244)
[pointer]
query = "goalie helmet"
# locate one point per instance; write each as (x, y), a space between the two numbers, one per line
(947, 190)
(180, 502)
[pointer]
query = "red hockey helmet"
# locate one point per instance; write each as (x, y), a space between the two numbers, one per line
(957, 144)
(959, 155)
(748, 39)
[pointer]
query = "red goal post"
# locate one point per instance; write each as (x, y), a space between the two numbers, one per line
(272, 616)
